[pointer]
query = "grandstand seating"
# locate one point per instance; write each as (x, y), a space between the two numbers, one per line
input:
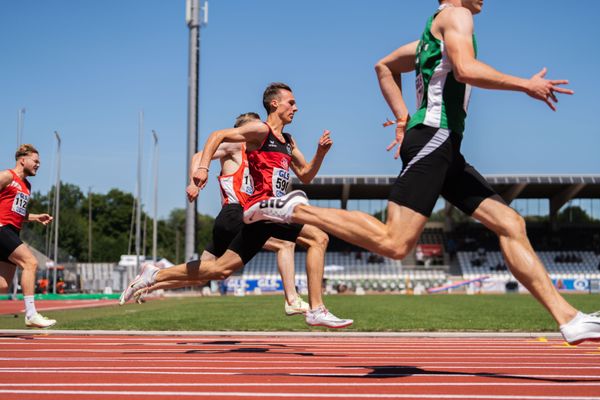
(475, 264)
(350, 269)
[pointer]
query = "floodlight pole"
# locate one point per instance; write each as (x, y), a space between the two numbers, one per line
(138, 213)
(155, 205)
(20, 123)
(89, 224)
(194, 24)
(56, 209)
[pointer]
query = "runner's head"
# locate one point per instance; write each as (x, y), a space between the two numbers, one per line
(472, 5)
(243, 119)
(279, 99)
(28, 158)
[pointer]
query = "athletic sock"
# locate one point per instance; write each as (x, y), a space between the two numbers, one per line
(30, 310)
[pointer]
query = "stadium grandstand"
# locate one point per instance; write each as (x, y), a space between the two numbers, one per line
(452, 249)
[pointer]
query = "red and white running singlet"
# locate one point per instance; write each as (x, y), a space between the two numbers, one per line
(13, 202)
(270, 168)
(237, 187)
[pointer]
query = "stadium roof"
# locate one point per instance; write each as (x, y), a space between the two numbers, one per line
(559, 189)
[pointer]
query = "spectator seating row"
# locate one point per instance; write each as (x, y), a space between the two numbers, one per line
(475, 264)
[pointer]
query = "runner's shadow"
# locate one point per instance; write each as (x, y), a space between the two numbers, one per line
(392, 371)
(261, 348)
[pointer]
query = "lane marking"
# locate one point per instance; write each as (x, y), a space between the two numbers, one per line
(295, 395)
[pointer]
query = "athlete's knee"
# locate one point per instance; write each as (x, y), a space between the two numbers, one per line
(396, 247)
(29, 264)
(395, 251)
(3, 286)
(322, 239)
(512, 225)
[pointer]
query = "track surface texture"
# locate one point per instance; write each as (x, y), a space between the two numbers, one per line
(230, 366)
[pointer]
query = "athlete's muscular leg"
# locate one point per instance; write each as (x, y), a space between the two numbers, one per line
(315, 241)
(197, 270)
(23, 258)
(520, 256)
(206, 256)
(394, 239)
(7, 272)
(285, 264)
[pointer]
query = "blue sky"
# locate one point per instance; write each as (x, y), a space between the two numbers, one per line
(87, 68)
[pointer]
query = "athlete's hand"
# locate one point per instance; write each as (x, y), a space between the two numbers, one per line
(200, 177)
(545, 90)
(192, 192)
(400, 130)
(43, 219)
(325, 142)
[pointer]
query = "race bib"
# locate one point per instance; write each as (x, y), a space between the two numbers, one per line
(20, 204)
(281, 180)
(247, 182)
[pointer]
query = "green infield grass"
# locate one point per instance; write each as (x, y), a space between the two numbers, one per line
(376, 313)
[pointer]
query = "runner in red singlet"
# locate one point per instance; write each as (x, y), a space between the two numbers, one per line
(14, 197)
(271, 154)
(236, 187)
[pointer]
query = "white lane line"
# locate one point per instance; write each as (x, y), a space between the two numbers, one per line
(288, 368)
(429, 364)
(384, 341)
(548, 352)
(307, 373)
(295, 395)
(312, 384)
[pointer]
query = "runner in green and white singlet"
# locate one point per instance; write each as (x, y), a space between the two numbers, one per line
(445, 63)
(442, 101)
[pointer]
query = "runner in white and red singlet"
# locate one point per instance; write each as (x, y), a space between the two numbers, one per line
(15, 190)
(271, 155)
(236, 187)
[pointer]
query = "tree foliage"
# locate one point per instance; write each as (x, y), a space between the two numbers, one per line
(112, 233)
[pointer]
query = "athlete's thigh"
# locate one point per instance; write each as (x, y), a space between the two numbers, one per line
(250, 240)
(227, 225)
(7, 273)
(274, 244)
(466, 188)
(22, 256)
(494, 214)
(404, 224)
(9, 242)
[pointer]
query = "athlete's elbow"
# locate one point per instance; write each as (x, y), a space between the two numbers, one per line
(464, 74)
(382, 69)
(305, 178)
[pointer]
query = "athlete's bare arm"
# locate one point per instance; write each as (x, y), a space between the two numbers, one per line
(455, 27)
(5, 179)
(389, 74)
(224, 151)
(253, 133)
(43, 219)
(306, 171)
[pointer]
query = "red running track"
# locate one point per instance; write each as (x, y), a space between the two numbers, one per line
(311, 367)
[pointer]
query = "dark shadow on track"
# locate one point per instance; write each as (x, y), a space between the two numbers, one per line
(392, 371)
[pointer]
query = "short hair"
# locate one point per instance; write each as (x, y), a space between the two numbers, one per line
(25, 150)
(271, 92)
(243, 119)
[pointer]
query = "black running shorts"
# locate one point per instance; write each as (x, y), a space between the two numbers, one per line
(9, 241)
(228, 224)
(432, 166)
(254, 236)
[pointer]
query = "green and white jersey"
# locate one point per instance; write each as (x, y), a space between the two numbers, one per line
(442, 101)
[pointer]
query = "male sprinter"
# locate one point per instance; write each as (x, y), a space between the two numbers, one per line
(236, 186)
(446, 67)
(271, 154)
(15, 190)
